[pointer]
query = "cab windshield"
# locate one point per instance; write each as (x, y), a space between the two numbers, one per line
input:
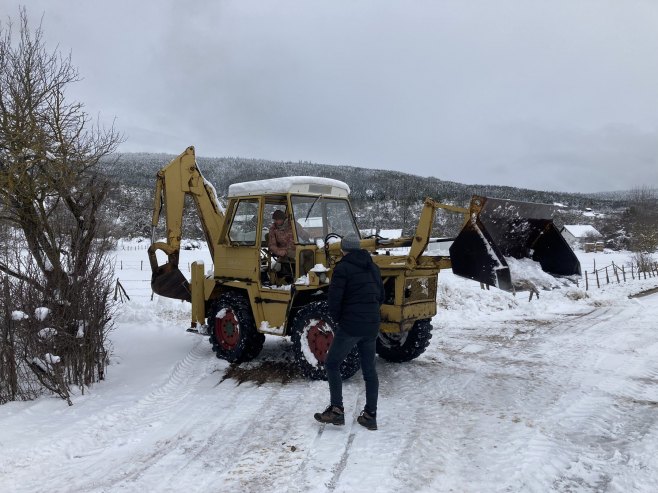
(319, 216)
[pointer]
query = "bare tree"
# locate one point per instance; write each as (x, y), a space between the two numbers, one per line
(642, 219)
(52, 193)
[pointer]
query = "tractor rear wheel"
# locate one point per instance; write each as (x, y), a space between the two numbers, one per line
(233, 333)
(407, 345)
(312, 334)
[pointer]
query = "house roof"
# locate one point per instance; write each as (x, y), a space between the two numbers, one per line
(581, 230)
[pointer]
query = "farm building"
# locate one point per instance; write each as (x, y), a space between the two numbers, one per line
(578, 235)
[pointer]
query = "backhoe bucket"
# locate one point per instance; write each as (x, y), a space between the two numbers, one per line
(167, 280)
(498, 229)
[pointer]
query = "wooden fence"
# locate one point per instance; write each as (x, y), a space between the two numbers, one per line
(617, 273)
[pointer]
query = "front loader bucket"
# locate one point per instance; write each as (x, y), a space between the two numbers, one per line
(498, 229)
(167, 280)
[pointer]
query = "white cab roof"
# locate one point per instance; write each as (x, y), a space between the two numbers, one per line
(312, 185)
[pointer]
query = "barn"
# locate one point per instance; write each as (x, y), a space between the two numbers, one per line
(578, 235)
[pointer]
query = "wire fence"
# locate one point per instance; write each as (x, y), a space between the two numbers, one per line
(132, 248)
(595, 278)
(133, 278)
(619, 273)
(144, 265)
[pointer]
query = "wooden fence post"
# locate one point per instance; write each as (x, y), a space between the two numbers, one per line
(632, 271)
(586, 282)
(607, 277)
(623, 273)
(616, 273)
(598, 283)
(120, 292)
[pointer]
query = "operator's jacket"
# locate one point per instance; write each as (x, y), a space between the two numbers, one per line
(356, 292)
(280, 240)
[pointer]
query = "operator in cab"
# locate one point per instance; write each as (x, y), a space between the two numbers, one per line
(281, 241)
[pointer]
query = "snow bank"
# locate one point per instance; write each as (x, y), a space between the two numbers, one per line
(19, 315)
(41, 313)
(528, 273)
(47, 333)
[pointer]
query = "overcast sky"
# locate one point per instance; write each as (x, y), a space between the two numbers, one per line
(544, 94)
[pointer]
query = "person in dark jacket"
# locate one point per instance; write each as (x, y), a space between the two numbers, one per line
(356, 292)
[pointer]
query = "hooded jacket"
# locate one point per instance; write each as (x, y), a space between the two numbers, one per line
(356, 292)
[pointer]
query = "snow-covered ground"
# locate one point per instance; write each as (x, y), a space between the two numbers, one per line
(555, 394)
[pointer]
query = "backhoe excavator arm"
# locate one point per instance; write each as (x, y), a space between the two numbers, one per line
(179, 178)
(423, 232)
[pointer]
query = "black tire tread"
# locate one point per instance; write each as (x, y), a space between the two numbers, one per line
(415, 344)
(319, 309)
(252, 341)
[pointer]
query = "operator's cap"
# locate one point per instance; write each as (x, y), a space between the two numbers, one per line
(278, 214)
(350, 243)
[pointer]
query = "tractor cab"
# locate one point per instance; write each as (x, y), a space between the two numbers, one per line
(284, 223)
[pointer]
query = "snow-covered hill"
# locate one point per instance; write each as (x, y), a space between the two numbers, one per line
(555, 394)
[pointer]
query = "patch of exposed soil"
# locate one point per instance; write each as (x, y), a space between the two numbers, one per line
(261, 372)
(644, 293)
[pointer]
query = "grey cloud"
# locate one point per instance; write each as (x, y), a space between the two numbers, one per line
(550, 95)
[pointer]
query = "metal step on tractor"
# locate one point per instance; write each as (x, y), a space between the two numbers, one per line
(251, 292)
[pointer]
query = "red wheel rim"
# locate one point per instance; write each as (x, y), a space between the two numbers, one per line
(227, 331)
(319, 338)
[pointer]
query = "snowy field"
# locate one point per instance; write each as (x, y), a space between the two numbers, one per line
(555, 394)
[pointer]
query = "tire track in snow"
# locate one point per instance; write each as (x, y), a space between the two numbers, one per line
(562, 406)
(549, 386)
(338, 469)
(243, 445)
(114, 428)
(555, 456)
(434, 448)
(329, 452)
(507, 366)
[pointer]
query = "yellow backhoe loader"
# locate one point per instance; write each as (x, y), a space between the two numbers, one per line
(251, 293)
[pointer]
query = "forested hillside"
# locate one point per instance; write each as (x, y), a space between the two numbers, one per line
(381, 199)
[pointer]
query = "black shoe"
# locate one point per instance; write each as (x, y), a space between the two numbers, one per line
(333, 414)
(368, 420)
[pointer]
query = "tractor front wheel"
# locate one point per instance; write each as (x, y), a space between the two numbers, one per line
(312, 335)
(233, 333)
(407, 345)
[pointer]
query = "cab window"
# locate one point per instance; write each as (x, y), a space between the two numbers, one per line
(320, 216)
(245, 223)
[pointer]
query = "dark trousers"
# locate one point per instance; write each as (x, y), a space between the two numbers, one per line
(339, 349)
